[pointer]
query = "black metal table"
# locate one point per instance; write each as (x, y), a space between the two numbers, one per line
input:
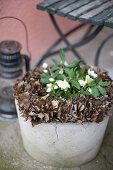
(98, 13)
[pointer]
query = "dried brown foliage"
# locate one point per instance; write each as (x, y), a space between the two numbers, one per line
(38, 106)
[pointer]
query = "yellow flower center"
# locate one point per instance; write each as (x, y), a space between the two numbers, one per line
(88, 81)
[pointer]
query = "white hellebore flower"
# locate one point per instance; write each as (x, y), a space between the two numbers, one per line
(90, 90)
(92, 73)
(55, 87)
(49, 89)
(66, 63)
(82, 83)
(45, 65)
(49, 85)
(45, 71)
(63, 84)
(88, 79)
(51, 79)
(61, 71)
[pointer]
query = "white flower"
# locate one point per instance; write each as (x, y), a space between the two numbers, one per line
(63, 84)
(48, 90)
(49, 85)
(61, 71)
(45, 71)
(59, 83)
(92, 73)
(88, 79)
(55, 87)
(51, 79)
(90, 90)
(66, 63)
(82, 83)
(45, 65)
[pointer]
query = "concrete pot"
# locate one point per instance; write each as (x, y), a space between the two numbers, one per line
(62, 144)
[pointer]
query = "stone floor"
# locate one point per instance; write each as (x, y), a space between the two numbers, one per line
(12, 153)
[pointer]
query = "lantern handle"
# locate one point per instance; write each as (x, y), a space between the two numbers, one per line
(27, 61)
(26, 31)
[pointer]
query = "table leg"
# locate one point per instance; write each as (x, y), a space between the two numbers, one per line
(100, 49)
(69, 46)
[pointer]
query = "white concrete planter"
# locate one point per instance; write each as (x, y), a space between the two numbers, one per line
(62, 145)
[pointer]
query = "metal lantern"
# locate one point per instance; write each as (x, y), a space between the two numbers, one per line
(11, 68)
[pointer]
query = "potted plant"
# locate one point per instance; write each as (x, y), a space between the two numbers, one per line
(63, 111)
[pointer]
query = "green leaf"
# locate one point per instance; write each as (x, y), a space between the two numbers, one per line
(86, 93)
(61, 77)
(75, 64)
(45, 81)
(56, 97)
(62, 55)
(55, 68)
(101, 90)
(59, 93)
(92, 84)
(67, 94)
(98, 79)
(82, 70)
(75, 84)
(104, 83)
(86, 85)
(56, 62)
(71, 73)
(67, 70)
(75, 95)
(55, 74)
(95, 92)
(45, 88)
(44, 75)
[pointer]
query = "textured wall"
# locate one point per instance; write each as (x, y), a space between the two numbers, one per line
(41, 31)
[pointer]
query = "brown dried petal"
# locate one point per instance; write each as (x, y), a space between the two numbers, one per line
(46, 117)
(55, 103)
(25, 103)
(41, 115)
(82, 108)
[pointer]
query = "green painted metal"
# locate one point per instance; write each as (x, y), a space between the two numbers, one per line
(59, 5)
(47, 3)
(99, 19)
(87, 17)
(63, 12)
(96, 12)
(109, 22)
(84, 9)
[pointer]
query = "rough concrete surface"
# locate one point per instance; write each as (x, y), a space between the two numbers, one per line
(12, 153)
